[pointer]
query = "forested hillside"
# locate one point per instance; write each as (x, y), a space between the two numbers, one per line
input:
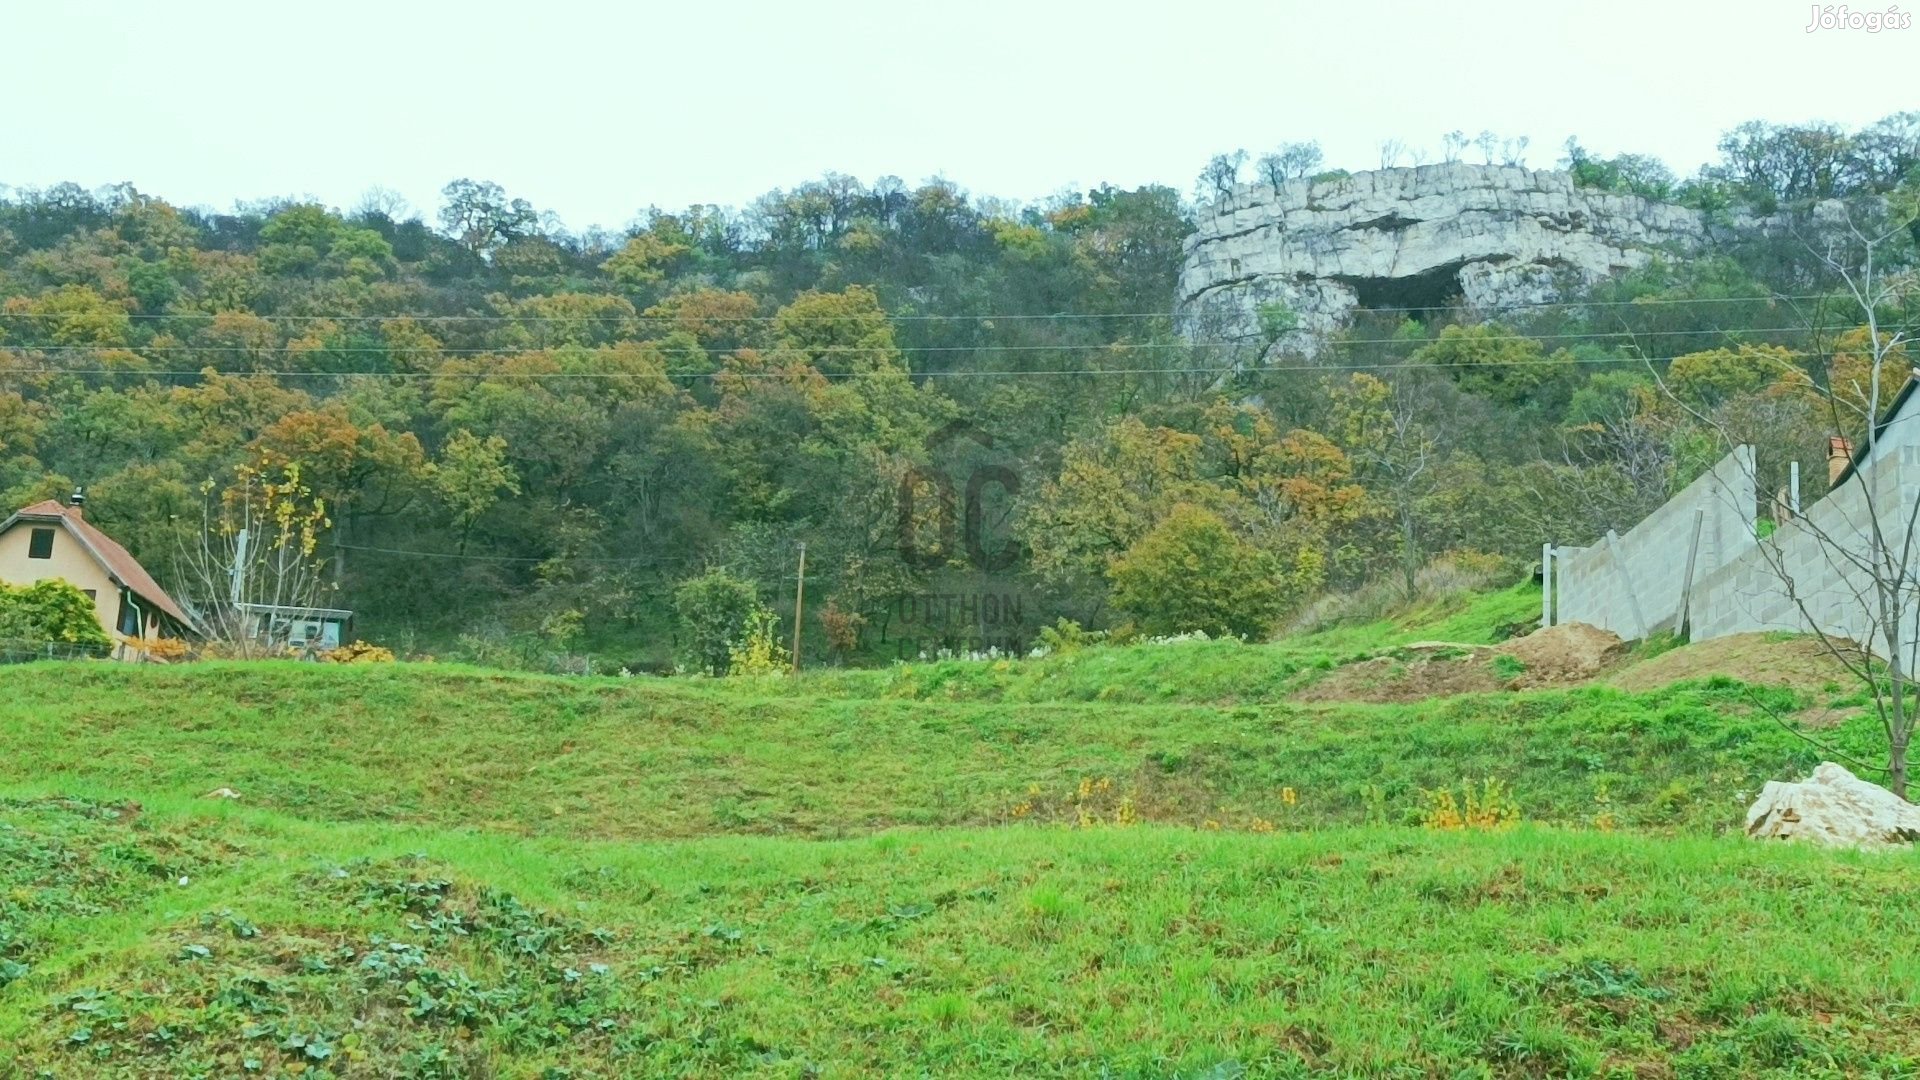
(975, 415)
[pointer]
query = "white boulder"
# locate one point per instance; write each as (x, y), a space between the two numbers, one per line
(1833, 808)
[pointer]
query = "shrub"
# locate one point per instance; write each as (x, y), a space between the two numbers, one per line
(166, 650)
(1192, 573)
(717, 611)
(215, 649)
(1067, 636)
(758, 652)
(842, 628)
(50, 610)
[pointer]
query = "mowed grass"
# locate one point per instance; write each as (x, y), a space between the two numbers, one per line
(653, 759)
(293, 947)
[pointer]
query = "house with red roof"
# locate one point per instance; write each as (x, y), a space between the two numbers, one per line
(51, 540)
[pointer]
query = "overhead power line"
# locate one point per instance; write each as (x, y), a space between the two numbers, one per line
(621, 560)
(792, 317)
(883, 350)
(860, 350)
(1253, 369)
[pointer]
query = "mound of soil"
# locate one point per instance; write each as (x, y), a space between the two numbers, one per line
(1763, 659)
(1575, 653)
(1560, 655)
(1413, 674)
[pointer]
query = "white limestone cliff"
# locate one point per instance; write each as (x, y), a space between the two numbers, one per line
(1497, 237)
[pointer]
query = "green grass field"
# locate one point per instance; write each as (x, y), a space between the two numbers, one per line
(1138, 862)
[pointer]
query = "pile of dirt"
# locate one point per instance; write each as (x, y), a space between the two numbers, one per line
(1558, 656)
(1412, 673)
(1764, 659)
(1562, 655)
(1575, 653)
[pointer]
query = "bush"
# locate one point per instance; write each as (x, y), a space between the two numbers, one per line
(1192, 573)
(759, 652)
(50, 610)
(1067, 636)
(718, 611)
(166, 650)
(842, 628)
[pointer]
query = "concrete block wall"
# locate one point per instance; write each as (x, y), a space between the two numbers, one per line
(1633, 584)
(1802, 578)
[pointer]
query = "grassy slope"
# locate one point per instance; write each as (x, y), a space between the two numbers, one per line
(661, 758)
(701, 858)
(1220, 671)
(1125, 952)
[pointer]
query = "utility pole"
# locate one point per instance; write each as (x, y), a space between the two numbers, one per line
(237, 590)
(799, 601)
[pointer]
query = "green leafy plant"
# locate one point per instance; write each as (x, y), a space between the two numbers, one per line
(718, 612)
(50, 610)
(758, 652)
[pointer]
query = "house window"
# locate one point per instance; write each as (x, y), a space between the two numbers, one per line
(129, 619)
(92, 594)
(40, 544)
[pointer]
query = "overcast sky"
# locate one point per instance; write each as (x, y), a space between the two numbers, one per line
(598, 109)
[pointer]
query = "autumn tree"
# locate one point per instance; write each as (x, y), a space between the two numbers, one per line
(1191, 573)
(471, 476)
(1381, 429)
(255, 556)
(1491, 360)
(1112, 489)
(480, 216)
(50, 610)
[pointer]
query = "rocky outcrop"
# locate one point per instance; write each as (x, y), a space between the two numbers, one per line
(1495, 237)
(1833, 808)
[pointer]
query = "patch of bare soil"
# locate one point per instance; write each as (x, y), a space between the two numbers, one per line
(1557, 656)
(1574, 653)
(1410, 674)
(1762, 659)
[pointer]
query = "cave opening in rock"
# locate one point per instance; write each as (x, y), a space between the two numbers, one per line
(1417, 296)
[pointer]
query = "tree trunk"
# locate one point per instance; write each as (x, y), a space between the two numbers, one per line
(1899, 724)
(1409, 552)
(1897, 767)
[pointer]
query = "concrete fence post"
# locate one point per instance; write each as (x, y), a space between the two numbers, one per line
(1684, 626)
(1546, 585)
